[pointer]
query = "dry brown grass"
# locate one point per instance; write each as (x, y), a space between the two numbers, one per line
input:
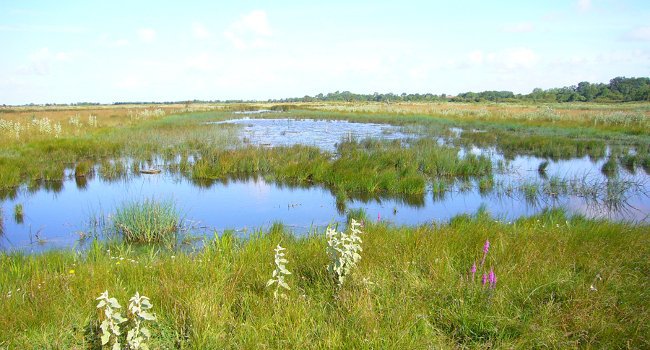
(114, 114)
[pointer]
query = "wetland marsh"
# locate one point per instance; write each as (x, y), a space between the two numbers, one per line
(430, 182)
(307, 173)
(324, 175)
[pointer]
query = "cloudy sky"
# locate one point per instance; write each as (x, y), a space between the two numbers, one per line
(70, 51)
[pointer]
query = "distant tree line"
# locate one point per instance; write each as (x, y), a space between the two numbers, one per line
(347, 96)
(619, 89)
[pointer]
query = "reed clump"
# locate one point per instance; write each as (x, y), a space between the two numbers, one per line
(359, 167)
(147, 221)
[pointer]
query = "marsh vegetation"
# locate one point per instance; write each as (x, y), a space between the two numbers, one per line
(190, 199)
(569, 282)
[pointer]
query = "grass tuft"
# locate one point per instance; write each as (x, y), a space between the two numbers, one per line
(149, 221)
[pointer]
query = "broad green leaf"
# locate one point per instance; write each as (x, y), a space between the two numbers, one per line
(118, 318)
(114, 303)
(145, 331)
(147, 316)
(284, 285)
(105, 338)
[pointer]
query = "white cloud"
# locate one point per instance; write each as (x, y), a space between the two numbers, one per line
(40, 62)
(200, 31)
(147, 35)
(584, 5)
(517, 58)
(250, 31)
(130, 82)
(117, 43)
(521, 27)
(640, 33)
(201, 62)
(476, 57)
(120, 43)
(605, 60)
(256, 22)
(42, 28)
(512, 58)
(106, 40)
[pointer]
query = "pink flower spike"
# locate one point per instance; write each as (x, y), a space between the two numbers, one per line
(484, 279)
(378, 217)
(493, 279)
(473, 270)
(486, 248)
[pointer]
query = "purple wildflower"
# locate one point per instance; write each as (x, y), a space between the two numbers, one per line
(378, 217)
(473, 270)
(493, 279)
(484, 279)
(486, 249)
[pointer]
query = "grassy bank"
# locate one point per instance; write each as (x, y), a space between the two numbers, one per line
(561, 283)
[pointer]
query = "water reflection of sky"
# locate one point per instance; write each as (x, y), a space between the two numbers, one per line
(324, 134)
(57, 217)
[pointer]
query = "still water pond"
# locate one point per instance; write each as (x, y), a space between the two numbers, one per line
(55, 217)
(323, 134)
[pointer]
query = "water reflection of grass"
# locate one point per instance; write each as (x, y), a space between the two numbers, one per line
(609, 196)
(19, 213)
(562, 282)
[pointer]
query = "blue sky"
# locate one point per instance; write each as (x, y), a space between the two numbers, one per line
(70, 51)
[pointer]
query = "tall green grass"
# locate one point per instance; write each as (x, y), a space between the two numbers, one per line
(147, 221)
(360, 167)
(562, 283)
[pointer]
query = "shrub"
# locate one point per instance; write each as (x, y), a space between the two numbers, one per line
(343, 251)
(279, 273)
(111, 319)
